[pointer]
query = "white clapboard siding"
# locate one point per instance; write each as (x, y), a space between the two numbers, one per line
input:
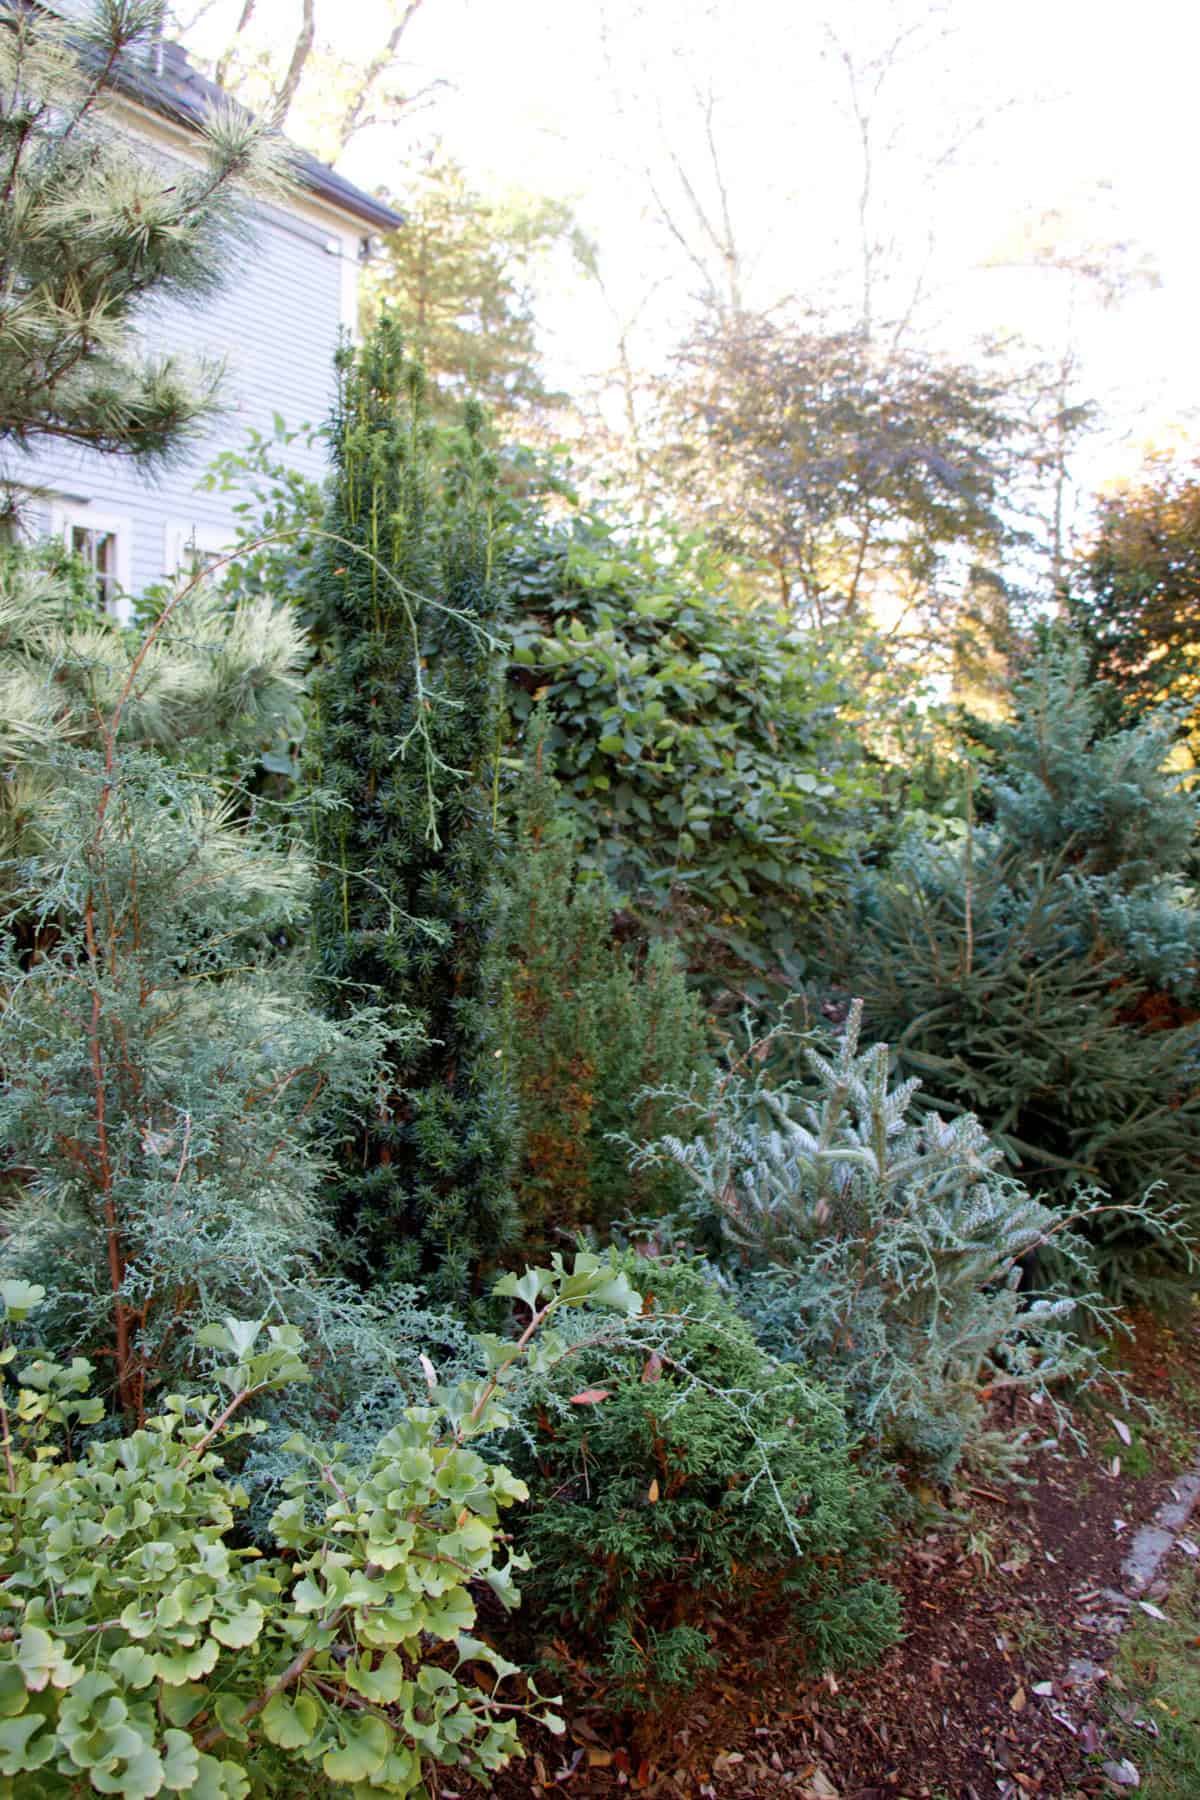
(275, 323)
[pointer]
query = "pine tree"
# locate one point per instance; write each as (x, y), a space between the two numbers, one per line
(161, 1060)
(404, 742)
(458, 278)
(92, 228)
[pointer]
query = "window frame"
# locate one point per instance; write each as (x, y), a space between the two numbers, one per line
(67, 516)
(209, 540)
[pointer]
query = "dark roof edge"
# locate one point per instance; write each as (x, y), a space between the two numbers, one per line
(179, 92)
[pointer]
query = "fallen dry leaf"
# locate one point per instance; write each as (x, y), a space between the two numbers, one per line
(820, 1787)
(1123, 1773)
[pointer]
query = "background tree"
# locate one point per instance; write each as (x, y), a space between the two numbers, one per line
(900, 154)
(404, 742)
(91, 230)
(304, 80)
(852, 475)
(1082, 271)
(1136, 597)
(457, 280)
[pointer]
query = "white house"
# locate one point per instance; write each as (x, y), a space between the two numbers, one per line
(276, 323)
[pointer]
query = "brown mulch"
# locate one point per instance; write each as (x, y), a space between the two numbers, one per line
(994, 1689)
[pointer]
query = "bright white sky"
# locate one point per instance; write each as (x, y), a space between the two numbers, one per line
(1090, 111)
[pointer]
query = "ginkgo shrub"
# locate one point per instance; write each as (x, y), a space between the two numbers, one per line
(142, 1651)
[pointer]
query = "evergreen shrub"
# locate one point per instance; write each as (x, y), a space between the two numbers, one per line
(1042, 972)
(403, 745)
(589, 1024)
(881, 1249)
(687, 1478)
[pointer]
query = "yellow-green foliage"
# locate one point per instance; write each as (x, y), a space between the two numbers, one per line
(142, 1651)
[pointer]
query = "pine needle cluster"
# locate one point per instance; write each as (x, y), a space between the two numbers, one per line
(91, 229)
(162, 1063)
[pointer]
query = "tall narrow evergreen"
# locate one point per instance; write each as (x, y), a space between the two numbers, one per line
(404, 741)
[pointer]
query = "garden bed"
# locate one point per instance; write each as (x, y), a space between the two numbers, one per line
(999, 1687)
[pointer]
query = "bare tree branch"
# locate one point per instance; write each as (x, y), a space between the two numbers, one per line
(301, 51)
(729, 250)
(418, 101)
(380, 63)
(726, 292)
(871, 76)
(680, 236)
(179, 26)
(221, 72)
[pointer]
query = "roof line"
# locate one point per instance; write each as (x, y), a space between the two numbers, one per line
(177, 90)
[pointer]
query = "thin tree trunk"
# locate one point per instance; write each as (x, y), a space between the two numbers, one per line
(301, 51)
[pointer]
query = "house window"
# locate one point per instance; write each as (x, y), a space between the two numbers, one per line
(190, 549)
(103, 543)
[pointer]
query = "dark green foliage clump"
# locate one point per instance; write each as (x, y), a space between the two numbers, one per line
(1042, 973)
(403, 743)
(709, 754)
(702, 743)
(588, 1024)
(673, 1484)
